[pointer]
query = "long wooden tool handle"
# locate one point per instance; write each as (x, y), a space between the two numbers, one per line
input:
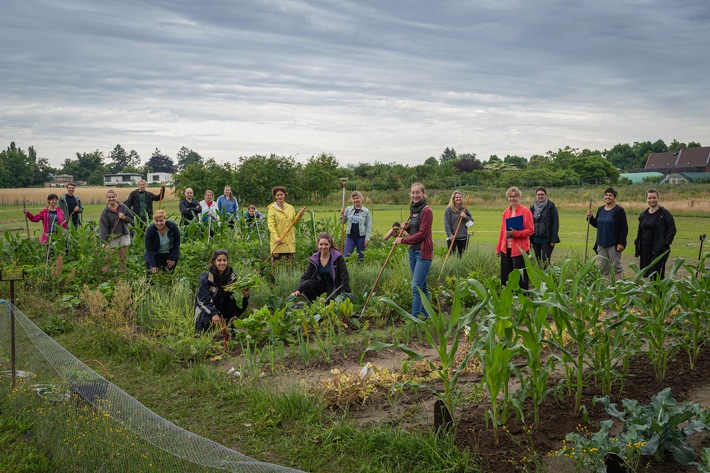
(456, 232)
(369, 296)
(27, 221)
(295, 221)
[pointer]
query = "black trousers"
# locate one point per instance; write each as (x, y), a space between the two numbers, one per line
(543, 252)
(161, 262)
(459, 245)
(646, 258)
(508, 263)
(314, 288)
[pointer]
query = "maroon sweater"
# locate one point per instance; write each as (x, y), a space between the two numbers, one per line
(424, 234)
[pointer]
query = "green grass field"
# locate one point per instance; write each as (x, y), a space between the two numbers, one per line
(691, 224)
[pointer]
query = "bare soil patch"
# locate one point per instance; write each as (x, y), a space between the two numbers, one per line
(513, 452)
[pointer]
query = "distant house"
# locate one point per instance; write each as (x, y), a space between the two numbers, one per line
(122, 179)
(158, 177)
(60, 180)
(686, 177)
(684, 161)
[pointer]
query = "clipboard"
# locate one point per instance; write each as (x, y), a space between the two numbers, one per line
(514, 223)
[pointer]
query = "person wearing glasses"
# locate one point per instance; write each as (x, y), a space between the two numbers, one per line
(547, 226)
(515, 231)
(612, 230)
(215, 307)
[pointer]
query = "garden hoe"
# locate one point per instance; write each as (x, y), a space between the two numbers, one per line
(27, 221)
(162, 193)
(703, 237)
(394, 245)
(343, 184)
(49, 242)
(586, 243)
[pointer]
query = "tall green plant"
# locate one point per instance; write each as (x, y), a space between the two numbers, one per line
(694, 299)
(498, 348)
(658, 323)
(576, 302)
(531, 328)
(442, 332)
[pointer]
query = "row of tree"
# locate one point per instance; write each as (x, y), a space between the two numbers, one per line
(19, 168)
(254, 176)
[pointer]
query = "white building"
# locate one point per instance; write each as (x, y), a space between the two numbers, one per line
(158, 177)
(122, 179)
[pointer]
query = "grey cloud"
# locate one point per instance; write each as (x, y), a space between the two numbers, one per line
(406, 77)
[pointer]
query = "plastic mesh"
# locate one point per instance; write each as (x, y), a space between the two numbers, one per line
(90, 424)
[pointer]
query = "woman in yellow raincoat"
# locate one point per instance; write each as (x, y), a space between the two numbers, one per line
(280, 217)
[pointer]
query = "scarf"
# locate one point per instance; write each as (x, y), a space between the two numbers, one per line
(539, 207)
(416, 208)
(221, 281)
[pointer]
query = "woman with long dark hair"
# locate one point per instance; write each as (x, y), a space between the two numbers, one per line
(215, 307)
(280, 217)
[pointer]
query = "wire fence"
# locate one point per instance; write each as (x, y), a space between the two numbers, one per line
(86, 423)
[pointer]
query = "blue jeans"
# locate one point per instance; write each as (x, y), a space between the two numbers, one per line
(420, 269)
(351, 243)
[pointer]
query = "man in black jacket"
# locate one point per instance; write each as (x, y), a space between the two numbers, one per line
(140, 201)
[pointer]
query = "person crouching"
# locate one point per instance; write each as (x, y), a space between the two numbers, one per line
(215, 307)
(326, 272)
(162, 243)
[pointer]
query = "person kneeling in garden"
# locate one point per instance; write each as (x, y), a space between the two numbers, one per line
(215, 306)
(326, 272)
(162, 243)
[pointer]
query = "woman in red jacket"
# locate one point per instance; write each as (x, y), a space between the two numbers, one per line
(421, 245)
(514, 238)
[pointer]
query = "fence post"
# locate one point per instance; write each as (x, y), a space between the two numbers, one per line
(12, 280)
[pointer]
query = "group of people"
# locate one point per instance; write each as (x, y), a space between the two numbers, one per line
(327, 273)
(539, 226)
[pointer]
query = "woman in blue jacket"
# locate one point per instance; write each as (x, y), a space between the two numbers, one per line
(162, 243)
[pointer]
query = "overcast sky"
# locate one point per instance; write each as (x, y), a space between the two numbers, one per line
(365, 80)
